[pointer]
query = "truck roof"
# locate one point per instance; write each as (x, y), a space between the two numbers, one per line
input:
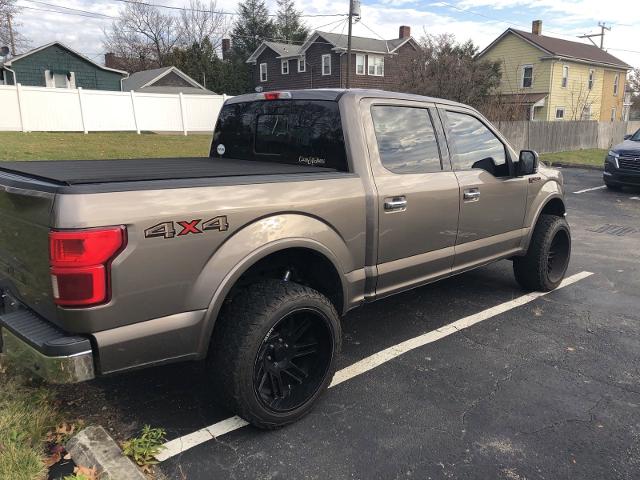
(336, 93)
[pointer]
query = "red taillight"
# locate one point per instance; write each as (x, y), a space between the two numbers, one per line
(80, 264)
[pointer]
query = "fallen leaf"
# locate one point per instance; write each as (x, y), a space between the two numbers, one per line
(65, 428)
(89, 473)
(571, 349)
(52, 459)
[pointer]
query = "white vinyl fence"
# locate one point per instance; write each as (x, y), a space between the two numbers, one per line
(39, 109)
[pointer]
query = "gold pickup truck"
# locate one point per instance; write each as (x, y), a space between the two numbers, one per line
(310, 204)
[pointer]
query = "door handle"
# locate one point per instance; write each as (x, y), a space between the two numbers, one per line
(471, 194)
(395, 204)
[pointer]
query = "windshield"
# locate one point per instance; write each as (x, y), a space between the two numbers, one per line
(636, 136)
(303, 132)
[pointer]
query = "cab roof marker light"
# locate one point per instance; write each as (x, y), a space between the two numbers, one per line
(274, 95)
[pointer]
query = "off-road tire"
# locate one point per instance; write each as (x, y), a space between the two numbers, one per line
(533, 271)
(239, 335)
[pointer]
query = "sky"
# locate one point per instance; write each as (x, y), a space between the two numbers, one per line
(479, 20)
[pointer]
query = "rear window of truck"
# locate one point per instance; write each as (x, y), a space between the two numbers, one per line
(301, 132)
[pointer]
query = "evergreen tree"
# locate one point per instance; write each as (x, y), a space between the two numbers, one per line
(252, 27)
(289, 26)
(201, 63)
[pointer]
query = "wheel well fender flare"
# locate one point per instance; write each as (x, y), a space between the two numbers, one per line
(257, 241)
(554, 203)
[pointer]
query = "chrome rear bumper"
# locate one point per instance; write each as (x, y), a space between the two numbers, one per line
(31, 342)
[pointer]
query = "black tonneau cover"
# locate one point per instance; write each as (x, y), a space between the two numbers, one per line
(79, 172)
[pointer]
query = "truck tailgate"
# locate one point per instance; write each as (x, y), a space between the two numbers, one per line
(24, 246)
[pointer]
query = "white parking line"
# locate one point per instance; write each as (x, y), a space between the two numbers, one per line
(591, 189)
(182, 444)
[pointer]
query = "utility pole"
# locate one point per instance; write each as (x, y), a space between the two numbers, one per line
(348, 85)
(12, 41)
(603, 27)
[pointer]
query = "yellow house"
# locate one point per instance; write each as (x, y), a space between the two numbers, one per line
(554, 79)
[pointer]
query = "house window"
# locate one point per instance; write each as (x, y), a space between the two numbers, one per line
(376, 65)
(591, 81)
(559, 113)
(263, 72)
(586, 112)
(59, 80)
(326, 64)
(302, 65)
(616, 81)
(565, 76)
(613, 114)
(360, 65)
(284, 67)
(527, 76)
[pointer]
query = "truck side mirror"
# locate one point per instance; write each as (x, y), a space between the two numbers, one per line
(528, 163)
(627, 137)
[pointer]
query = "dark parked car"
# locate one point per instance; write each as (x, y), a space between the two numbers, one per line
(622, 165)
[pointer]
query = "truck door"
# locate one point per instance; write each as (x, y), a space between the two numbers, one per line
(492, 200)
(417, 193)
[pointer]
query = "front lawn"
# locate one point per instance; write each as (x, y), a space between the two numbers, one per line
(93, 146)
(591, 157)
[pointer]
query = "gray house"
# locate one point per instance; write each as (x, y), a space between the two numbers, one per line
(163, 80)
(321, 62)
(56, 65)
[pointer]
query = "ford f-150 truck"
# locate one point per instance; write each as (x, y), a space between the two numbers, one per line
(311, 203)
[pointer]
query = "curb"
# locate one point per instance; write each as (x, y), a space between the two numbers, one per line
(573, 165)
(93, 447)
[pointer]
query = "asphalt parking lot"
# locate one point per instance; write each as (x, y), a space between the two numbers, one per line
(545, 388)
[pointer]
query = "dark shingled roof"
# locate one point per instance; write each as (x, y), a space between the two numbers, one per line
(283, 49)
(567, 48)
(362, 44)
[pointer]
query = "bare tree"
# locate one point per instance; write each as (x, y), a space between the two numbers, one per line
(201, 21)
(10, 34)
(634, 88)
(143, 36)
(447, 69)
(580, 103)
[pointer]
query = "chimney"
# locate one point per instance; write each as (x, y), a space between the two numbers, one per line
(110, 60)
(405, 31)
(226, 47)
(536, 27)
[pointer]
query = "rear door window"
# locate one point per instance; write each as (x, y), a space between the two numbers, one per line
(406, 139)
(304, 132)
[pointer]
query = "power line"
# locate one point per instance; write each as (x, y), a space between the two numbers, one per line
(623, 50)
(372, 31)
(70, 9)
(496, 20)
(78, 14)
(221, 12)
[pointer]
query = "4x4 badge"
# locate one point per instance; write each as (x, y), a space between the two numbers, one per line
(168, 229)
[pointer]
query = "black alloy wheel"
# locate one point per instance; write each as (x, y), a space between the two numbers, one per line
(293, 360)
(273, 352)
